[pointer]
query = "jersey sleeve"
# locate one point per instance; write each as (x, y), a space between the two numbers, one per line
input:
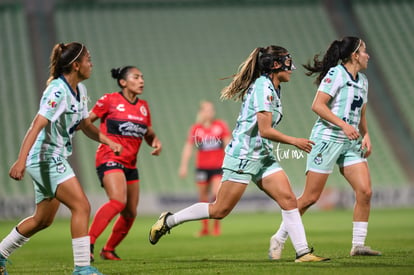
(331, 83)
(52, 103)
(263, 97)
(148, 113)
(101, 107)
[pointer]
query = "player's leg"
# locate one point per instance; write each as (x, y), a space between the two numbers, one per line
(359, 178)
(228, 195)
(71, 194)
(203, 196)
(114, 183)
(43, 216)
(214, 186)
(124, 222)
(277, 186)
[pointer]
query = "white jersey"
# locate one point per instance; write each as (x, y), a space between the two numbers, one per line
(247, 142)
(348, 97)
(64, 109)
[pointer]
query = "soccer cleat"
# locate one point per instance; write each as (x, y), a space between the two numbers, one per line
(362, 250)
(309, 257)
(159, 228)
(3, 261)
(275, 249)
(109, 255)
(92, 247)
(86, 270)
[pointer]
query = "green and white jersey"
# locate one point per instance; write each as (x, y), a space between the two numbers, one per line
(64, 109)
(246, 142)
(348, 97)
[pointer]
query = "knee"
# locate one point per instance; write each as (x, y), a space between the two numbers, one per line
(364, 194)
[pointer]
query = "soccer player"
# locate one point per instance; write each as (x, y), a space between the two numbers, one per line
(45, 148)
(209, 135)
(340, 135)
(126, 119)
(249, 155)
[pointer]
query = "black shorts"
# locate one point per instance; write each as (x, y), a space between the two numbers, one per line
(131, 175)
(205, 175)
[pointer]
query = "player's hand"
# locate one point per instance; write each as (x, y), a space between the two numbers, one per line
(350, 131)
(304, 144)
(156, 144)
(116, 148)
(366, 146)
(17, 170)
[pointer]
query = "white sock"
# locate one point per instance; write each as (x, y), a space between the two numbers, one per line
(198, 211)
(281, 234)
(293, 224)
(11, 242)
(81, 251)
(359, 233)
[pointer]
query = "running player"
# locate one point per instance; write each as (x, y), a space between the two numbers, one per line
(126, 119)
(45, 148)
(209, 135)
(340, 135)
(249, 155)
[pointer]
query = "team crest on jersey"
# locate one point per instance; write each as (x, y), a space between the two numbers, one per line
(143, 111)
(327, 80)
(318, 159)
(60, 168)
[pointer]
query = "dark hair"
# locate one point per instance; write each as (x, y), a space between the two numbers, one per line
(120, 73)
(260, 61)
(62, 58)
(338, 50)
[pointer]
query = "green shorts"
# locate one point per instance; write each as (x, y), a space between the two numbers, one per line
(47, 175)
(325, 154)
(246, 170)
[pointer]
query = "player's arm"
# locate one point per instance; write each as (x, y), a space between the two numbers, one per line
(363, 129)
(92, 116)
(92, 132)
(153, 141)
(185, 158)
(320, 107)
(264, 120)
(17, 170)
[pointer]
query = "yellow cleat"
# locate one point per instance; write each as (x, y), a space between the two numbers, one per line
(160, 228)
(309, 257)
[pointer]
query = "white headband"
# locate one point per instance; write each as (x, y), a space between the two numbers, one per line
(357, 48)
(77, 56)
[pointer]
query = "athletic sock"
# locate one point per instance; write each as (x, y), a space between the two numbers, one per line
(293, 224)
(119, 232)
(81, 252)
(103, 217)
(12, 242)
(204, 226)
(359, 233)
(281, 234)
(197, 211)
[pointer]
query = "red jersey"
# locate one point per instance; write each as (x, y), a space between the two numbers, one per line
(209, 143)
(123, 122)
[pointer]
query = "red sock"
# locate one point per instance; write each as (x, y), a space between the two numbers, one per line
(119, 232)
(102, 218)
(216, 230)
(204, 226)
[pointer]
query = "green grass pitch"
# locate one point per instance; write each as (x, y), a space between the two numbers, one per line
(241, 249)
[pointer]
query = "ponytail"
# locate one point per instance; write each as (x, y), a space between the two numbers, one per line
(259, 61)
(338, 50)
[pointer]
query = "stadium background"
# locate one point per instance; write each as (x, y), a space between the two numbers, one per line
(184, 48)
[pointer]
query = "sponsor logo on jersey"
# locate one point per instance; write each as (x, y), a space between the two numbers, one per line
(135, 117)
(121, 107)
(327, 80)
(52, 103)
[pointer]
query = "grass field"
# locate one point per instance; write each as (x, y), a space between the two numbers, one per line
(241, 249)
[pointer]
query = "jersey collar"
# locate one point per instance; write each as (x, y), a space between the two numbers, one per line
(76, 95)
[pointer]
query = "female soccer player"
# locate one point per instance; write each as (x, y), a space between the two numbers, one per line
(125, 119)
(209, 135)
(45, 148)
(249, 155)
(340, 135)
